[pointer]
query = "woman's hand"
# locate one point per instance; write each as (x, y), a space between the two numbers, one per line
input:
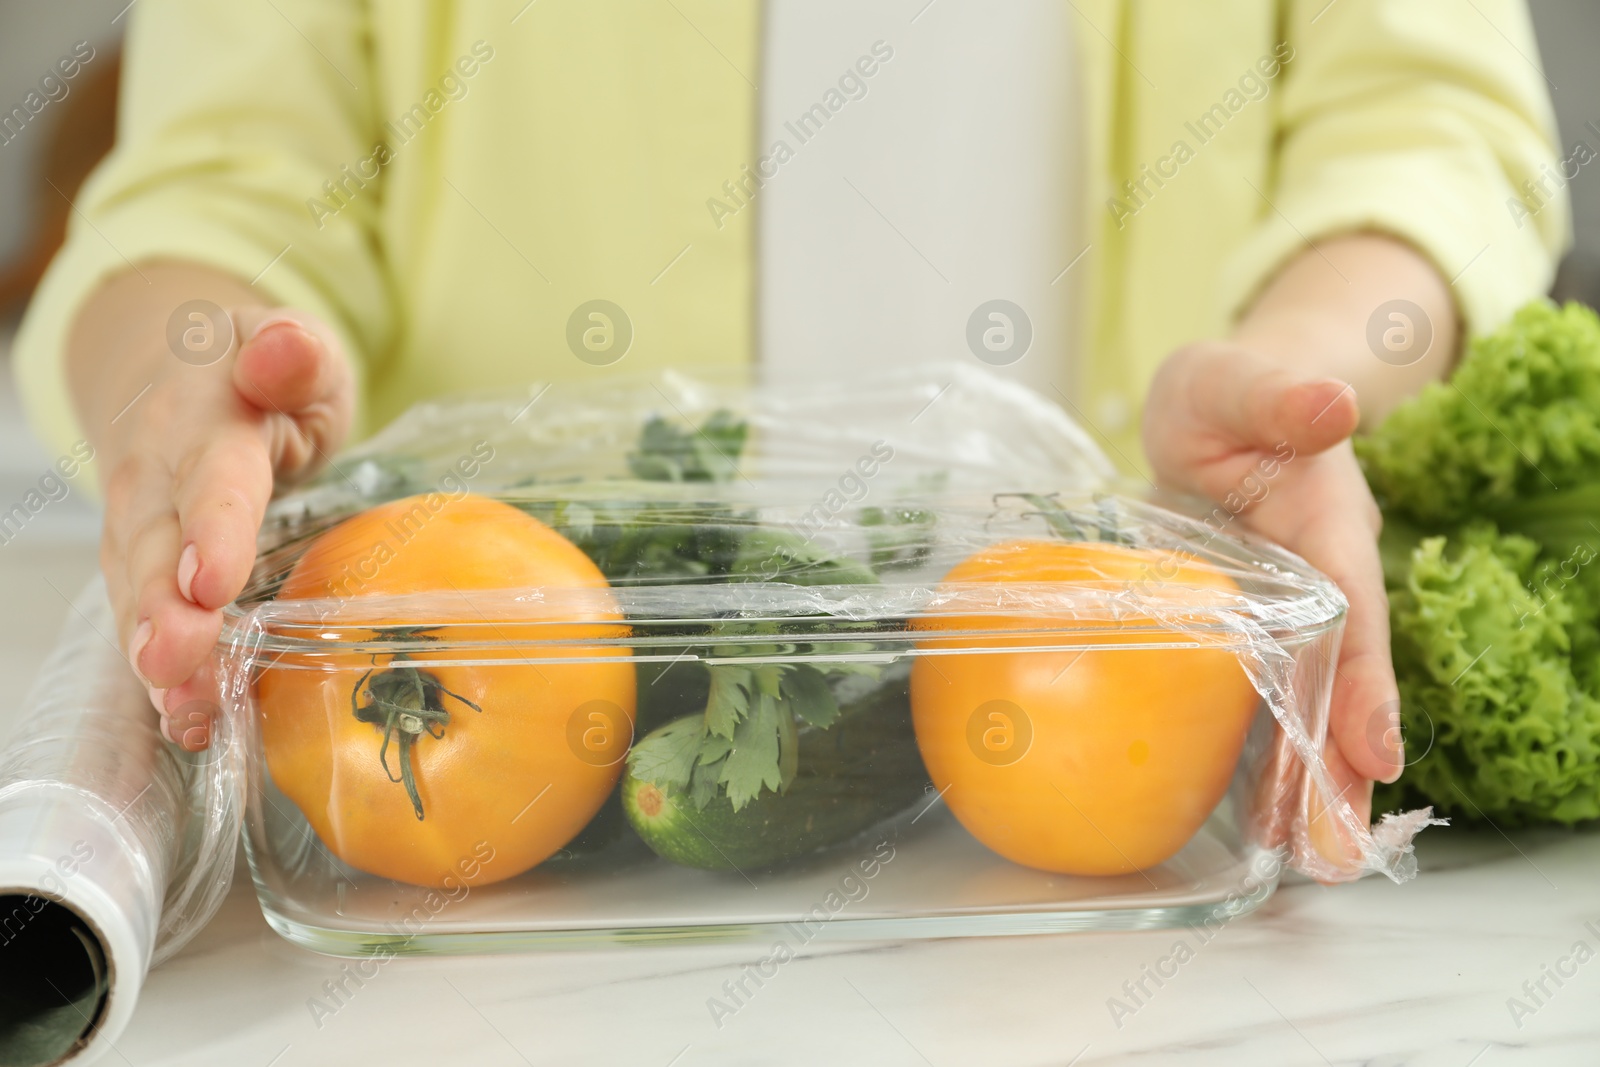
(1284, 394)
(1219, 418)
(189, 465)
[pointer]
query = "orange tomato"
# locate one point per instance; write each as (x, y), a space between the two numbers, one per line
(425, 766)
(1081, 760)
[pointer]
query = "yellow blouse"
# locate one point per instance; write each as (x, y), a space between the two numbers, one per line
(450, 183)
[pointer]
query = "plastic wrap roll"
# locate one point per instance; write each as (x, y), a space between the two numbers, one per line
(115, 847)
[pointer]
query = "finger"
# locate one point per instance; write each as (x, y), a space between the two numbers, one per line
(193, 710)
(286, 362)
(130, 638)
(189, 724)
(1366, 697)
(121, 490)
(1273, 407)
(127, 487)
(1366, 713)
(1326, 830)
(171, 636)
(292, 369)
(221, 495)
(1277, 789)
(276, 366)
(1350, 786)
(1364, 719)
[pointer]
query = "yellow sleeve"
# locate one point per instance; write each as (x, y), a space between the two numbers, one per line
(230, 121)
(1420, 119)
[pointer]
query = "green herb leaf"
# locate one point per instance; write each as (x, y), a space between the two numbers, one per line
(806, 692)
(719, 445)
(706, 785)
(754, 761)
(707, 454)
(747, 738)
(900, 537)
(713, 748)
(788, 748)
(668, 757)
(774, 556)
(729, 702)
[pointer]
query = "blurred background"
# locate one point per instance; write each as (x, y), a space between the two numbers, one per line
(42, 165)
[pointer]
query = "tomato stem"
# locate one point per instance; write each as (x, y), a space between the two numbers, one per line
(405, 703)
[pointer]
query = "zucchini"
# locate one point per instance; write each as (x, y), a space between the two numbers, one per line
(604, 830)
(853, 774)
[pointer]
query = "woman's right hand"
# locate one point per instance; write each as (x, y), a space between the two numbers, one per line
(190, 464)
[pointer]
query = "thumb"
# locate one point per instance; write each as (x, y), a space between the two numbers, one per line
(1257, 403)
(288, 360)
(291, 367)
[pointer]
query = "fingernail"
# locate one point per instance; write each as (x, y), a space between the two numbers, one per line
(158, 699)
(1395, 741)
(188, 565)
(141, 637)
(277, 318)
(1398, 769)
(166, 729)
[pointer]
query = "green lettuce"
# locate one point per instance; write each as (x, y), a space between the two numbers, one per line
(1483, 642)
(1519, 420)
(1490, 487)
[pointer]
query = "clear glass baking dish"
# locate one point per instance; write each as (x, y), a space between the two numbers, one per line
(686, 661)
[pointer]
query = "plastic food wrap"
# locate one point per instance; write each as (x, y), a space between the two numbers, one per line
(115, 847)
(580, 663)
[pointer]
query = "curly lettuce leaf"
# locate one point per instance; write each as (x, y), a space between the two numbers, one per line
(1519, 419)
(1485, 631)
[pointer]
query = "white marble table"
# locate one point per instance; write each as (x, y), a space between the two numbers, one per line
(1370, 973)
